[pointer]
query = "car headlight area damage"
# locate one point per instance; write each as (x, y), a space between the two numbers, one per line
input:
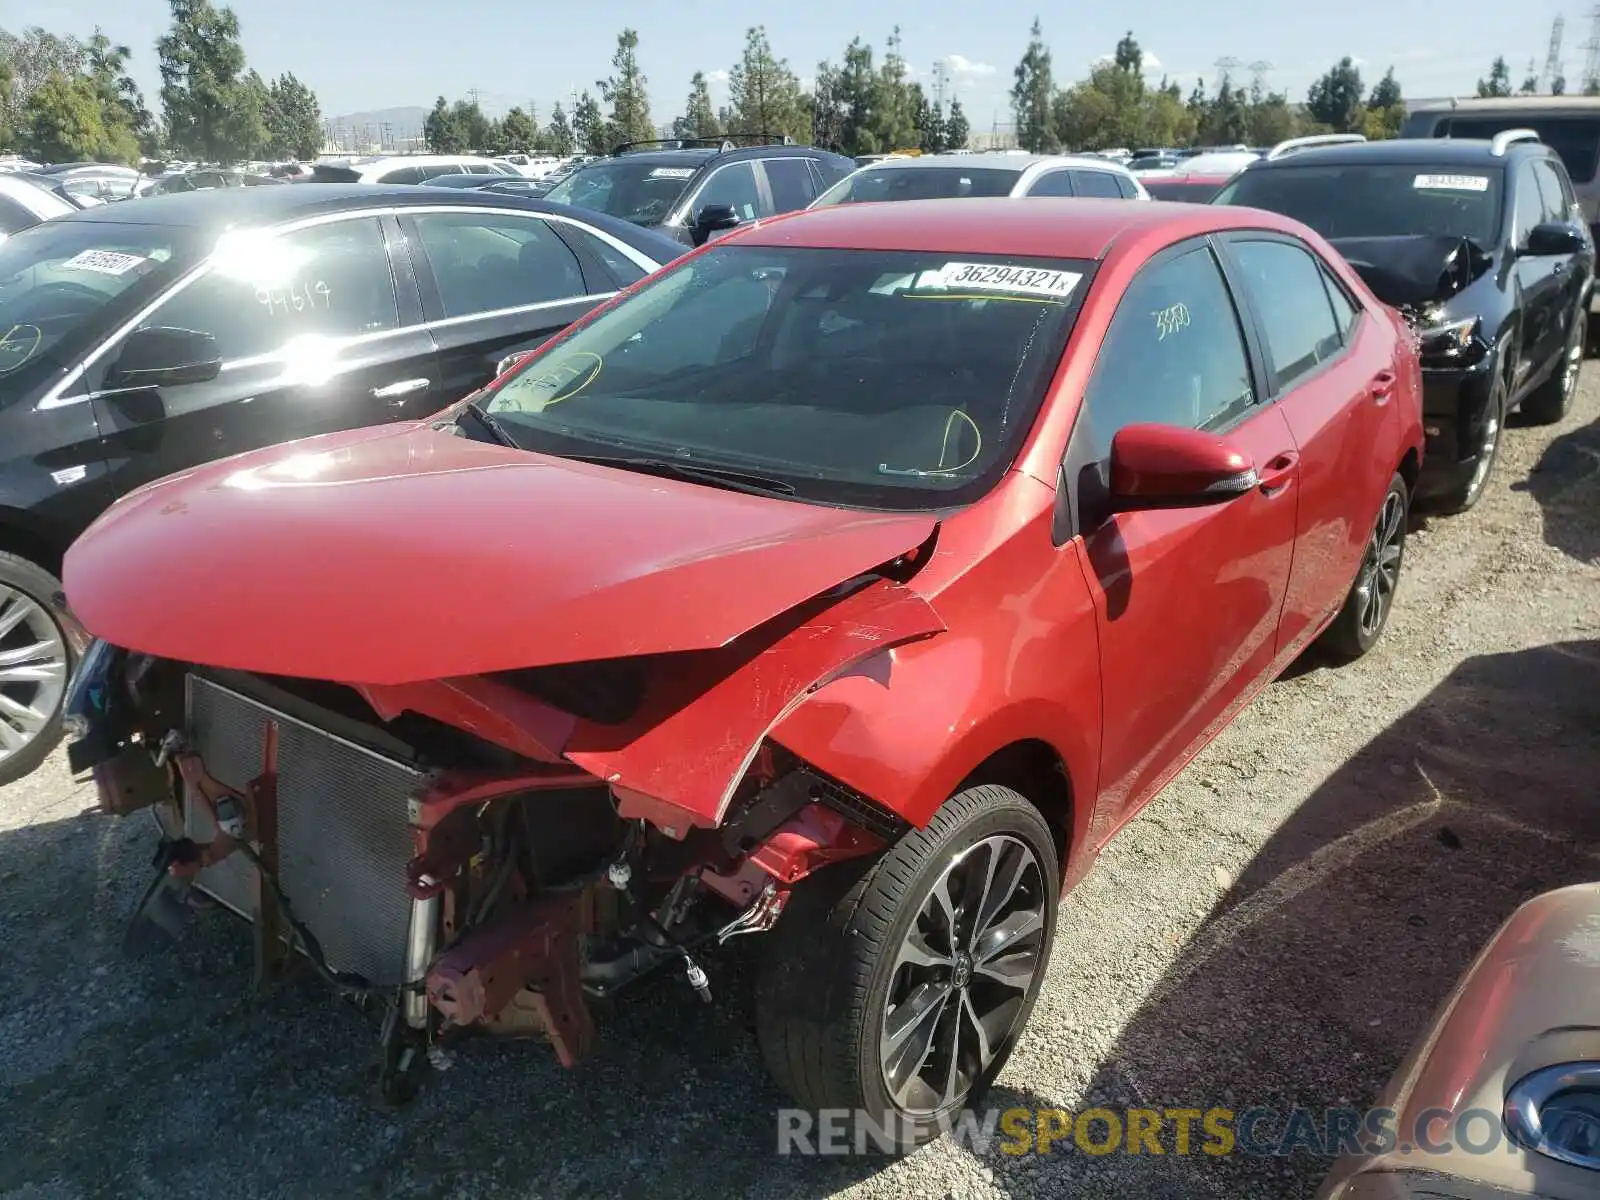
(486, 852)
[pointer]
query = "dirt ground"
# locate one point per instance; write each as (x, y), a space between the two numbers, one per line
(1273, 929)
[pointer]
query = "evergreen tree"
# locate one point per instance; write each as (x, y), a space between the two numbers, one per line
(624, 91)
(1032, 95)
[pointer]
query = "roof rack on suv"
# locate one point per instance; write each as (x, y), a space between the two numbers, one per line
(723, 142)
(1316, 139)
(1507, 137)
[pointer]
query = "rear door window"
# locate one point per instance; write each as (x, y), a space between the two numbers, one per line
(1286, 289)
(1126, 187)
(789, 180)
(402, 175)
(1100, 184)
(484, 262)
(1055, 183)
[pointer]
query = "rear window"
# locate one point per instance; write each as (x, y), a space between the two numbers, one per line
(1575, 139)
(1372, 200)
(920, 183)
(1185, 191)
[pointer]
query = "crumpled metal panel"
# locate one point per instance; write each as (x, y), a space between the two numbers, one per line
(343, 842)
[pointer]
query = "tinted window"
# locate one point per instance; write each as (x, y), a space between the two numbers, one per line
(893, 378)
(329, 281)
(428, 173)
(622, 268)
(921, 183)
(1575, 139)
(1174, 354)
(1183, 191)
(483, 262)
(1530, 203)
(1557, 205)
(789, 179)
(1291, 303)
(735, 186)
(1056, 183)
(829, 171)
(402, 175)
(1369, 200)
(1096, 183)
(1126, 187)
(13, 217)
(641, 192)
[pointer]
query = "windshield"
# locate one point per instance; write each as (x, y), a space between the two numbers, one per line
(884, 379)
(62, 282)
(919, 183)
(1372, 200)
(641, 192)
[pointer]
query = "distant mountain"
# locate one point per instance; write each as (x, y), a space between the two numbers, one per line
(403, 122)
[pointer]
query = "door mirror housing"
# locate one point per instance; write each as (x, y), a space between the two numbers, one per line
(165, 357)
(713, 218)
(1552, 238)
(1164, 466)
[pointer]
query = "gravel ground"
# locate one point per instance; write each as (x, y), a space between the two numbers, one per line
(1275, 928)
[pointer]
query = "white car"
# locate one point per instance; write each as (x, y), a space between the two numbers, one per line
(405, 168)
(953, 176)
(26, 202)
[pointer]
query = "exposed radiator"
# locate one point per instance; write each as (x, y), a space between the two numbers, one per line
(342, 836)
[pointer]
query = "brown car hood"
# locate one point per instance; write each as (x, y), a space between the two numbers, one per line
(392, 555)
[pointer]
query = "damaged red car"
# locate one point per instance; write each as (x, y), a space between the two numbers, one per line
(848, 583)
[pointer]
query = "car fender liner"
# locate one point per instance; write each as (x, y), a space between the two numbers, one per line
(687, 749)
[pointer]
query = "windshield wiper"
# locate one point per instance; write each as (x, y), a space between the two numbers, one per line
(491, 425)
(726, 477)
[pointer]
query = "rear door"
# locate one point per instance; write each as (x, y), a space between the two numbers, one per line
(1187, 600)
(1540, 281)
(1561, 206)
(315, 332)
(789, 182)
(1329, 367)
(494, 282)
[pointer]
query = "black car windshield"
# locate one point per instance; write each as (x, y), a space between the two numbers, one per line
(641, 192)
(1378, 200)
(61, 282)
(872, 378)
(919, 183)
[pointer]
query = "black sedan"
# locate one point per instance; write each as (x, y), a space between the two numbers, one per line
(137, 340)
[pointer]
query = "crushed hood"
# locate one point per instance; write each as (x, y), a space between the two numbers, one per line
(1413, 270)
(399, 554)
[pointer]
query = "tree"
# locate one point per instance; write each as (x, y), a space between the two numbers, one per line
(930, 125)
(857, 84)
(1335, 99)
(956, 130)
(1558, 86)
(1386, 109)
(476, 129)
(1270, 120)
(1129, 57)
(31, 58)
(64, 121)
(122, 105)
(5, 103)
(1499, 81)
(441, 131)
(1031, 96)
(699, 119)
(894, 103)
(1530, 84)
(211, 110)
(624, 91)
(1386, 92)
(293, 119)
(764, 94)
(827, 108)
(589, 127)
(518, 133)
(558, 136)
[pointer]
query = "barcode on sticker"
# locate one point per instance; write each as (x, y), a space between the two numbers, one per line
(1452, 183)
(1001, 279)
(106, 262)
(672, 173)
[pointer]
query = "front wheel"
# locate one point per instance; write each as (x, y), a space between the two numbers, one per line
(898, 989)
(1361, 621)
(35, 661)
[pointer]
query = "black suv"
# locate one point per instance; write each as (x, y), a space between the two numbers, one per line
(693, 188)
(1482, 245)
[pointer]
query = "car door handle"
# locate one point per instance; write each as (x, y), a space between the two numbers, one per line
(404, 387)
(1276, 475)
(1381, 387)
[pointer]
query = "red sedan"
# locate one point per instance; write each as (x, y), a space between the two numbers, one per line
(850, 582)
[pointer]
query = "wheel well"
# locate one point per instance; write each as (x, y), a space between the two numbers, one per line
(25, 543)
(1033, 769)
(1410, 468)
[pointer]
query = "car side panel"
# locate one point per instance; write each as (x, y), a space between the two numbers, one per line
(53, 477)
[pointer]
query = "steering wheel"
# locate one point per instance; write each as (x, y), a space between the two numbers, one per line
(54, 301)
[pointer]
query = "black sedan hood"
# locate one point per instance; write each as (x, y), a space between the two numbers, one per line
(1412, 270)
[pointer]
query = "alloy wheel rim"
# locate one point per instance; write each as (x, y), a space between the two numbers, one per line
(1380, 568)
(33, 670)
(1574, 363)
(962, 975)
(1487, 451)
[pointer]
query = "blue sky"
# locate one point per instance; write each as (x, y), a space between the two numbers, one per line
(368, 54)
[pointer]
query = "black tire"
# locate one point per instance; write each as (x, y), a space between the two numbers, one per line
(1355, 631)
(832, 965)
(1463, 497)
(43, 590)
(1549, 402)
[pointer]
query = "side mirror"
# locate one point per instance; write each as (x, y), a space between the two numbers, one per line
(1552, 238)
(1164, 466)
(713, 218)
(162, 357)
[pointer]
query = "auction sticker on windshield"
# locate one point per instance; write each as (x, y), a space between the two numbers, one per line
(103, 262)
(1452, 183)
(672, 173)
(1000, 279)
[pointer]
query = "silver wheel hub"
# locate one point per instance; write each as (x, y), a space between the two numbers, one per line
(1380, 567)
(33, 670)
(962, 975)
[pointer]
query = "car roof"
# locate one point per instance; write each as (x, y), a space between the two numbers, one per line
(691, 154)
(1041, 228)
(1010, 162)
(1400, 151)
(1517, 104)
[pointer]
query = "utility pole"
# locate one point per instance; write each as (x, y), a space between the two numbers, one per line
(1591, 49)
(1552, 59)
(1225, 65)
(941, 80)
(473, 94)
(1258, 75)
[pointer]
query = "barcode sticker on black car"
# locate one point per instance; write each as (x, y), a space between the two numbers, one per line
(1001, 280)
(104, 262)
(1452, 183)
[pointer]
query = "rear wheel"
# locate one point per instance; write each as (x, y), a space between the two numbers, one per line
(1550, 402)
(35, 660)
(1361, 621)
(898, 989)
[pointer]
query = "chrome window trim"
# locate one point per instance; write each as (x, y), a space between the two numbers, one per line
(54, 398)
